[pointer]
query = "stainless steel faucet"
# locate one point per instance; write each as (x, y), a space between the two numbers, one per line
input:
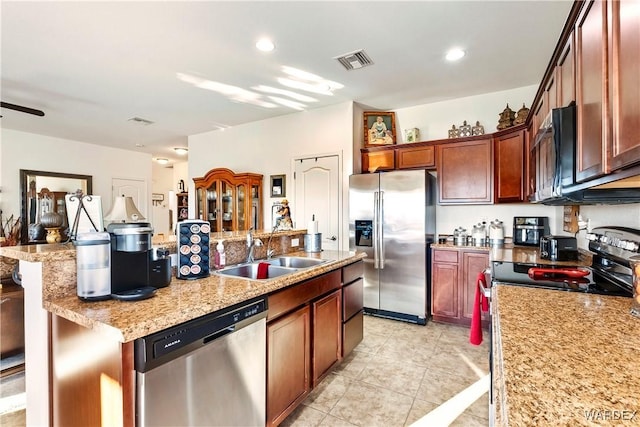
(270, 251)
(251, 244)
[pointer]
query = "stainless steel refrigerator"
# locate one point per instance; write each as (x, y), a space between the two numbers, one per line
(392, 218)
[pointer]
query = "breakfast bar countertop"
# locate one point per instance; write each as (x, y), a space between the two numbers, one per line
(183, 300)
(564, 358)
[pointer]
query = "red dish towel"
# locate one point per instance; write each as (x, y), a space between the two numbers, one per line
(480, 302)
(263, 270)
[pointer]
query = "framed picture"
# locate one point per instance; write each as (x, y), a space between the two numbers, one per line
(379, 128)
(278, 185)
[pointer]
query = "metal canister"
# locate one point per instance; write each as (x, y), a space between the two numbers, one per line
(460, 236)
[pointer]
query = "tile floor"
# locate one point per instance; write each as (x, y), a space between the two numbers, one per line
(399, 373)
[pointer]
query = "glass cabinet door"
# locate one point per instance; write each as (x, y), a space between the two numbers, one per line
(226, 206)
(212, 206)
(255, 206)
(242, 220)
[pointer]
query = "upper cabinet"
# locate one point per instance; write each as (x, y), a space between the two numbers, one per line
(465, 172)
(229, 201)
(607, 39)
(591, 89)
(565, 74)
(509, 165)
(624, 77)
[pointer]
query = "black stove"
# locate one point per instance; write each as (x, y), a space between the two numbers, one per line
(609, 273)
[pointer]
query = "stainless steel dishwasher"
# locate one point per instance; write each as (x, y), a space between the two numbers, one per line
(210, 371)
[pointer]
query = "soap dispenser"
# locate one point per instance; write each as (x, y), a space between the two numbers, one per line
(220, 257)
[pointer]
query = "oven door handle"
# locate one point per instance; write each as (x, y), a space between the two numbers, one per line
(486, 291)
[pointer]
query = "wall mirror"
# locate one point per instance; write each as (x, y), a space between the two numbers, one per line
(44, 192)
(278, 186)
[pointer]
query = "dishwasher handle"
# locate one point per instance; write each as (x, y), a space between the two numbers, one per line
(219, 334)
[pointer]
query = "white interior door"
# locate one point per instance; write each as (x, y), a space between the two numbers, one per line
(317, 193)
(135, 188)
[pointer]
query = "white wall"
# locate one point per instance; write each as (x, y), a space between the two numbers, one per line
(268, 147)
(22, 150)
(435, 120)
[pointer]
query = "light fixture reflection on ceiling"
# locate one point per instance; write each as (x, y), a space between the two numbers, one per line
(454, 54)
(234, 93)
(319, 88)
(309, 79)
(265, 45)
(288, 103)
(290, 94)
(181, 150)
(162, 160)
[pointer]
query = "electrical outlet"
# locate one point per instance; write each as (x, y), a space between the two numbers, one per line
(295, 242)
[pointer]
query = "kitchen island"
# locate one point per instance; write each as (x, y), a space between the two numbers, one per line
(57, 321)
(564, 358)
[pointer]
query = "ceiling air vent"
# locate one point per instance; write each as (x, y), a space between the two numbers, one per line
(354, 60)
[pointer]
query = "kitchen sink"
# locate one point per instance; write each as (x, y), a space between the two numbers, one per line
(250, 271)
(279, 266)
(295, 262)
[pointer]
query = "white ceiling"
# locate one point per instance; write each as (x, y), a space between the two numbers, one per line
(91, 66)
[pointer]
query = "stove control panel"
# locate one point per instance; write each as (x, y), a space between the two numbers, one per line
(627, 239)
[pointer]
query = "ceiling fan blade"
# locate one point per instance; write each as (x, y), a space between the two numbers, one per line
(22, 109)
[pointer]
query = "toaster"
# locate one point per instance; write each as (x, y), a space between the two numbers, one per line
(558, 248)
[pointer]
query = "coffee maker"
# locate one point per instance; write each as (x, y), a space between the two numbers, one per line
(136, 269)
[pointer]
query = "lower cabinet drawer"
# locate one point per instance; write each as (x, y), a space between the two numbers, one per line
(352, 299)
(352, 333)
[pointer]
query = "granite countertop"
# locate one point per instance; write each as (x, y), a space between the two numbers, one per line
(562, 357)
(182, 300)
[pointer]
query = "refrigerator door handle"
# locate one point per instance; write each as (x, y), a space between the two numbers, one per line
(376, 239)
(380, 230)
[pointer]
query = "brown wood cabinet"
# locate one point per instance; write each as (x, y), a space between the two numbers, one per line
(565, 74)
(288, 363)
(327, 334)
(591, 90)
(229, 201)
(378, 160)
(11, 319)
(509, 165)
(305, 322)
(624, 79)
(465, 172)
(453, 284)
(416, 157)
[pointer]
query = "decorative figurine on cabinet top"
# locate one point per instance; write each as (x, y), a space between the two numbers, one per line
(506, 118)
(521, 116)
(465, 129)
(411, 135)
(453, 132)
(478, 129)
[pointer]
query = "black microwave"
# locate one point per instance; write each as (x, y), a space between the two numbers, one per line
(554, 154)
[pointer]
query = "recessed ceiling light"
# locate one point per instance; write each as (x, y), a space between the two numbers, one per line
(265, 45)
(181, 150)
(454, 54)
(162, 160)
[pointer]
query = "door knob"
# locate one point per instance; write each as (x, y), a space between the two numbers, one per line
(333, 238)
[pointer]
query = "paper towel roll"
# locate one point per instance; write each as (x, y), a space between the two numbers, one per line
(312, 227)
